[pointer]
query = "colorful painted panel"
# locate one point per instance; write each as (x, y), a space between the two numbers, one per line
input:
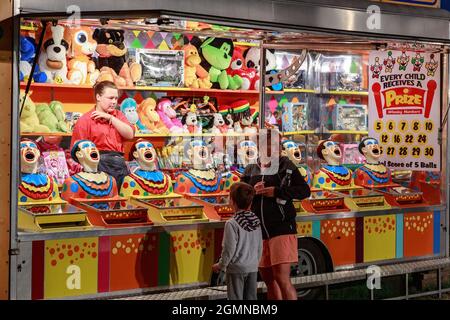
(304, 229)
(379, 238)
(70, 267)
(134, 261)
(192, 255)
(339, 237)
(418, 234)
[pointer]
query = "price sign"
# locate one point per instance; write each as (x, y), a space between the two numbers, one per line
(404, 108)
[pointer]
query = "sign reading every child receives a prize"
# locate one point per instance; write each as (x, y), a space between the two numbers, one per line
(404, 108)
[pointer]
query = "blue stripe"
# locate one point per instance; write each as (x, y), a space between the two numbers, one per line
(437, 232)
(316, 229)
(399, 236)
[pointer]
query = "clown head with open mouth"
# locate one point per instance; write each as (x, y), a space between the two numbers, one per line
(30, 154)
(330, 152)
(370, 148)
(292, 150)
(197, 151)
(86, 153)
(145, 154)
(247, 152)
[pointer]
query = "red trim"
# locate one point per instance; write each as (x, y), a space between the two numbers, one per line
(37, 270)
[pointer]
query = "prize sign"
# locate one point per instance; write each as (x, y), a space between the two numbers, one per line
(404, 108)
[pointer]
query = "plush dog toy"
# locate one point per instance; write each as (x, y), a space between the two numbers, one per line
(112, 60)
(219, 125)
(27, 53)
(52, 59)
(81, 68)
(217, 53)
(190, 121)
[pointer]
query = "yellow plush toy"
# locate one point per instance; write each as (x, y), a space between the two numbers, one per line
(29, 121)
(150, 118)
(195, 76)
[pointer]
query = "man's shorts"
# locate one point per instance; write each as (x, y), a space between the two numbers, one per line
(278, 250)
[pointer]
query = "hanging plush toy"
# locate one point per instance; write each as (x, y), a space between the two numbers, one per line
(217, 53)
(237, 67)
(27, 54)
(252, 60)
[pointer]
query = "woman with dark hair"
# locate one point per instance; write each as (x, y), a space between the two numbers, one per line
(107, 128)
(277, 182)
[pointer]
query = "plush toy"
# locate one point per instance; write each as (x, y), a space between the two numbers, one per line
(190, 121)
(372, 173)
(58, 110)
(195, 76)
(89, 183)
(27, 54)
(217, 53)
(81, 68)
(292, 150)
(168, 116)
(34, 187)
(129, 109)
(52, 59)
(150, 118)
(332, 175)
(29, 120)
(46, 117)
(252, 60)
(238, 67)
(227, 114)
(147, 180)
(201, 178)
(219, 125)
(112, 60)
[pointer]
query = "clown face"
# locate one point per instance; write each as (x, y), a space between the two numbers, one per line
(247, 152)
(371, 150)
(332, 153)
(292, 151)
(88, 156)
(145, 155)
(29, 156)
(199, 155)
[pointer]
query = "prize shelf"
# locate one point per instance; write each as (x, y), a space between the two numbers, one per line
(145, 135)
(138, 88)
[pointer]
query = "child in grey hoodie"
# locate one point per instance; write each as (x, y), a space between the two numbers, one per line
(241, 245)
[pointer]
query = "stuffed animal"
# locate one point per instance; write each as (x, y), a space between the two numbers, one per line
(112, 60)
(58, 110)
(46, 117)
(252, 60)
(52, 59)
(227, 115)
(190, 121)
(219, 125)
(129, 109)
(29, 121)
(27, 53)
(217, 53)
(150, 118)
(238, 67)
(168, 116)
(81, 68)
(195, 76)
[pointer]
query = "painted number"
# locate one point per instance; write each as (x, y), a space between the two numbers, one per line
(378, 126)
(403, 151)
(428, 126)
(429, 152)
(409, 138)
(415, 152)
(415, 126)
(391, 126)
(403, 125)
(384, 138)
(396, 139)
(422, 138)
(390, 151)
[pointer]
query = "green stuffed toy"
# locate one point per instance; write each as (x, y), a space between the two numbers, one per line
(29, 120)
(46, 117)
(57, 108)
(217, 54)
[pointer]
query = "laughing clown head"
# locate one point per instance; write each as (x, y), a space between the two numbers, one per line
(86, 153)
(330, 152)
(370, 148)
(29, 156)
(145, 154)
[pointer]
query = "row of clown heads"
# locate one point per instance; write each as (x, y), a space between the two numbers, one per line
(147, 180)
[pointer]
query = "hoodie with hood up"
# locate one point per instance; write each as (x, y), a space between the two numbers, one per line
(241, 244)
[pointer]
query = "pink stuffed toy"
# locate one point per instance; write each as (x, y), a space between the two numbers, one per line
(169, 116)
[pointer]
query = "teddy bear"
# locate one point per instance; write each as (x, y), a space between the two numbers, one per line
(81, 68)
(52, 59)
(217, 53)
(29, 121)
(27, 53)
(150, 118)
(249, 75)
(252, 60)
(112, 58)
(195, 76)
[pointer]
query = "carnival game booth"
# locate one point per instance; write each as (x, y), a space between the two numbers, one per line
(353, 107)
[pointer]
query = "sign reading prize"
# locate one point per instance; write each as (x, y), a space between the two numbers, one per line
(404, 108)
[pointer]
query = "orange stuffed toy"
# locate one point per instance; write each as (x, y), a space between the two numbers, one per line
(195, 76)
(150, 118)
(81, 68)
